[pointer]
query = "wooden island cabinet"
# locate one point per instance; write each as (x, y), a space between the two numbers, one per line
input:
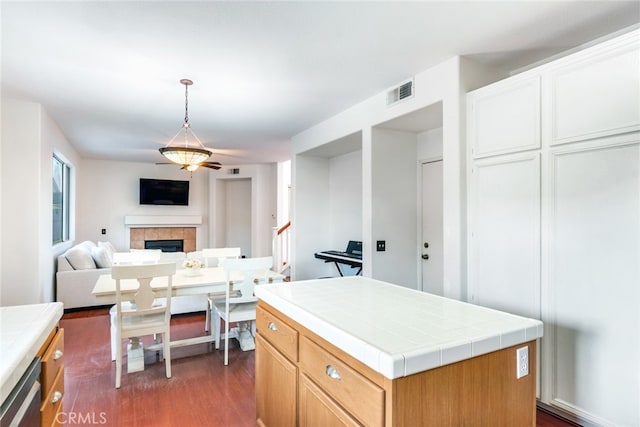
(341, 364)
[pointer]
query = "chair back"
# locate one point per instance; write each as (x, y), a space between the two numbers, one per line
(177, 257)
(242, 275)
(143, 297)
(139, 256)
(221, 254)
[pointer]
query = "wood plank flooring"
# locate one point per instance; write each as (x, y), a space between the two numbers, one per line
(201, 392)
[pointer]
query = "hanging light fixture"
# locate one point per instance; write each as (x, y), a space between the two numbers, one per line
(188, 155)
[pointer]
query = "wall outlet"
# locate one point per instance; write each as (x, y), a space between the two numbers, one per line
(522, 362)
(381, 245)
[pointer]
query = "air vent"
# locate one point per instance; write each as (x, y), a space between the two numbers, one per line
(234, 171)
(404, 91)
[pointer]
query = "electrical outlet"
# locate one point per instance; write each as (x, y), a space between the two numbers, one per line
(522, 362)
(381, 245)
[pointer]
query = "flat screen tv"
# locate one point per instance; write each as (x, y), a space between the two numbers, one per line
(164, 192)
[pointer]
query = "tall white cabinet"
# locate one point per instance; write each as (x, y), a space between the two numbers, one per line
(554, 220)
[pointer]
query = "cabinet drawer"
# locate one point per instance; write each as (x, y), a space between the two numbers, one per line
(318, 409)
(278, 333)
(52, 404)
(52, 360)
(359, 396)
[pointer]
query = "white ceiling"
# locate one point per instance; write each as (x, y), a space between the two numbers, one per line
(108, 72)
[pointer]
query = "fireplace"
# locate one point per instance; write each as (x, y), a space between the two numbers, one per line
(141, 235)
(170, 245)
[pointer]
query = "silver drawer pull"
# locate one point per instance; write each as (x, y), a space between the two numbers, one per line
(58, 354)
(333, 373)
(57, 396)
(272, 326)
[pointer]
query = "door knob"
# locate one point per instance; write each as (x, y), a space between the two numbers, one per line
(426, 245)
(425, 256)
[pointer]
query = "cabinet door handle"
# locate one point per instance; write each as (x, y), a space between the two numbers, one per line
(58, 354)
(332, 372)
(272, 326)
(57, 396)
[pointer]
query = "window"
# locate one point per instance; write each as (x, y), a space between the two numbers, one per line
(61, 196)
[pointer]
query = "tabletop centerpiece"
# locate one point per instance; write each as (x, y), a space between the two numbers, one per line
(192, 267)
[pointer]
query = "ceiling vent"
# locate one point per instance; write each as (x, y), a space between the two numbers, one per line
(233, 171)
(397, 94)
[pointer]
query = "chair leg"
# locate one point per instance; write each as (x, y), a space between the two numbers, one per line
(118, 359)
(208, 317)
(215, 318)
(226, 341)
(167, 352)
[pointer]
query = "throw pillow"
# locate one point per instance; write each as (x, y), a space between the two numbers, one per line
(80, 258)
(109, 247)
(101, 256)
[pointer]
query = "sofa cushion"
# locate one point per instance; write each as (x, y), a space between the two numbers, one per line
(80, 258)
(101, 256)
(109, 247)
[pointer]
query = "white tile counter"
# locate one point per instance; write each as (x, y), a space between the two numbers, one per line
(394, 330)
(23, 330)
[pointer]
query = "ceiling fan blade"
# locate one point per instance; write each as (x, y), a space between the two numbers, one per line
(167, 163)
(211, 165)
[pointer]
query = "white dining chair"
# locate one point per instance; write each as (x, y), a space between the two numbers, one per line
(239, 304)
(218, 255)
(141, 314)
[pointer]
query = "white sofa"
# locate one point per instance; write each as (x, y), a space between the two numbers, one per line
(79, 268)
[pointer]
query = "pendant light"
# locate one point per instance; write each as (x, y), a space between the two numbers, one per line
(188, 155)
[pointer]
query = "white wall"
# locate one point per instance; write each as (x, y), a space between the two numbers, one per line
(109, 190)
(394, 206)
(429, 144)
(310, 216)
(27, 252)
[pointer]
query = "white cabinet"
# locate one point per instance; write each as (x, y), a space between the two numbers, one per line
(596, 96)
(506, 118)
(505, 239)
(554, 229)
(594, 278)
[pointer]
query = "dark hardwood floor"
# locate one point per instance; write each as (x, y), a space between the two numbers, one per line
(201, 392)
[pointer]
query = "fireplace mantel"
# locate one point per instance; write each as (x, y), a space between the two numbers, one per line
(162, 220)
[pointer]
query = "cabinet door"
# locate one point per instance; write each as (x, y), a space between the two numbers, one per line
(276, 387)
(505, 234)
(594, 281)
(505, 117)
(597, 96)
(318, 409)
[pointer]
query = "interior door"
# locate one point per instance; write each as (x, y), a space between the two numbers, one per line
(431, 244)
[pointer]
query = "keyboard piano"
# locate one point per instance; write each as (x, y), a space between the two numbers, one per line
(352, 256)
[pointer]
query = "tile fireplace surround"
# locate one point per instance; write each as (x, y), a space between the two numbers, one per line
(138, 235)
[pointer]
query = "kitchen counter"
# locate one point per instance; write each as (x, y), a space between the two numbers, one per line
(394, 330)
(23, 330)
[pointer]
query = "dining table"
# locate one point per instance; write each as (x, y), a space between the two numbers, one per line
(209, 280)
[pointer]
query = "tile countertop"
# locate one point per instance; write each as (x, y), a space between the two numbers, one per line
(395, 330)
(23, 330)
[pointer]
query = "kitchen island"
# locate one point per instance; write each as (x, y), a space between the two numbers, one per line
(357, 351)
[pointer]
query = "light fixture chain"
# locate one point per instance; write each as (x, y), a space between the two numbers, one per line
(186, 104)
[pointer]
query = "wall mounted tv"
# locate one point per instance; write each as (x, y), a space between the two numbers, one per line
(164, 192)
